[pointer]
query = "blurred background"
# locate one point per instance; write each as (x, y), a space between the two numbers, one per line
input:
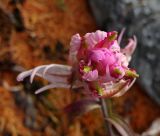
(36, 32)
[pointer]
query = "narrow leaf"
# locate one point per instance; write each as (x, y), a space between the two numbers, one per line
(121, 126)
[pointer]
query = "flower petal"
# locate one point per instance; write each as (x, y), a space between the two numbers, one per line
(125, 89)
(96, 55)
(74, 47)
(122, 59)
(112, 88)
(121, 35)
(91, 75)
(93, 38)
(115, 47)
(131, 46)
(75, 43)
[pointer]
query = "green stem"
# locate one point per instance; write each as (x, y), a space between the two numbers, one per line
(106, 111)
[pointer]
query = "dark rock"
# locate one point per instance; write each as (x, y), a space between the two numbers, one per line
(142, 18)
(146, 59)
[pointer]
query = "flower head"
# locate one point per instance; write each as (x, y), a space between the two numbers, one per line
(98, 64)
(102, 63)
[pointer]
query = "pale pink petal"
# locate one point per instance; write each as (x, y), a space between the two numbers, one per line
(74, 47)
(125, 88)
(103, 54)
(100, 35)
(121, 35)
(91, 75)
(112, 88)
(75, 43)
(122, 59)
(115, 47)
(93, 38)
(108, 76)
(130, 48)
(96, 55)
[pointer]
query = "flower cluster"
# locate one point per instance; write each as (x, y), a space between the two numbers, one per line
(98, 64)
(102, 63)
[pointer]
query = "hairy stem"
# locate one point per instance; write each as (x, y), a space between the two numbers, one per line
(106, 109)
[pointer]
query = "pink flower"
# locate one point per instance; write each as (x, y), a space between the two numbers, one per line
(98, 65)
(98, 59)
(104, 61)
